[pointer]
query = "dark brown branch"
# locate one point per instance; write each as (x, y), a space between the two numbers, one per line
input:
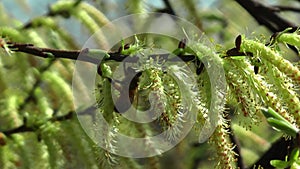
(232, 136)
(237, 149)
(285, 8)
(168, 9)
(91, 111)
(74, 54)
(20, 129)
(265, 15)
(45, 52)
(278, 151)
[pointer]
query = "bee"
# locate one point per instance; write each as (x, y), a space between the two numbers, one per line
(129, 83)
(127, 88)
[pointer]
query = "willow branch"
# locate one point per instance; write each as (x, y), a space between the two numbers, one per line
(237, 147)
(278, 150)
(286, 8)
(48, 52)
(84, 54)
(265, 15)
(168, 8)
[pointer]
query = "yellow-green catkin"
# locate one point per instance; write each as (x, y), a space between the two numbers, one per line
(7, 156)
(10, 114)
(78, 141)
(54, 152)
(151, 90)
(215, 102)
(49, 22)
(69, 151)
(244, 96)
(107, 101)
(106, 157)
(11, 34)
(34, 151)
(35, 38)
(158, 98)
(61, 88)
(92, 26)
(268, 54)
(84, 17)
(174, 109)
(204, 97)
(226, 157)
(290, 38)
(43, 105)
(260, 86)
(286, 90)
(135, 6)
(97, 15)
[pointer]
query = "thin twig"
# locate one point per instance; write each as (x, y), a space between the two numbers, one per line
(168, 8)
(44, 52)
(279, 8)
(268, 17)
(74, 54)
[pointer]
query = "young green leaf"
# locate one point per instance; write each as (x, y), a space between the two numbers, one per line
(271, 113)
(283, 126)
(294, 154)
(280, 164)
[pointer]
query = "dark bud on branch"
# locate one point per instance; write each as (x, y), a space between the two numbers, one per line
(182, 43)
(238, 42)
